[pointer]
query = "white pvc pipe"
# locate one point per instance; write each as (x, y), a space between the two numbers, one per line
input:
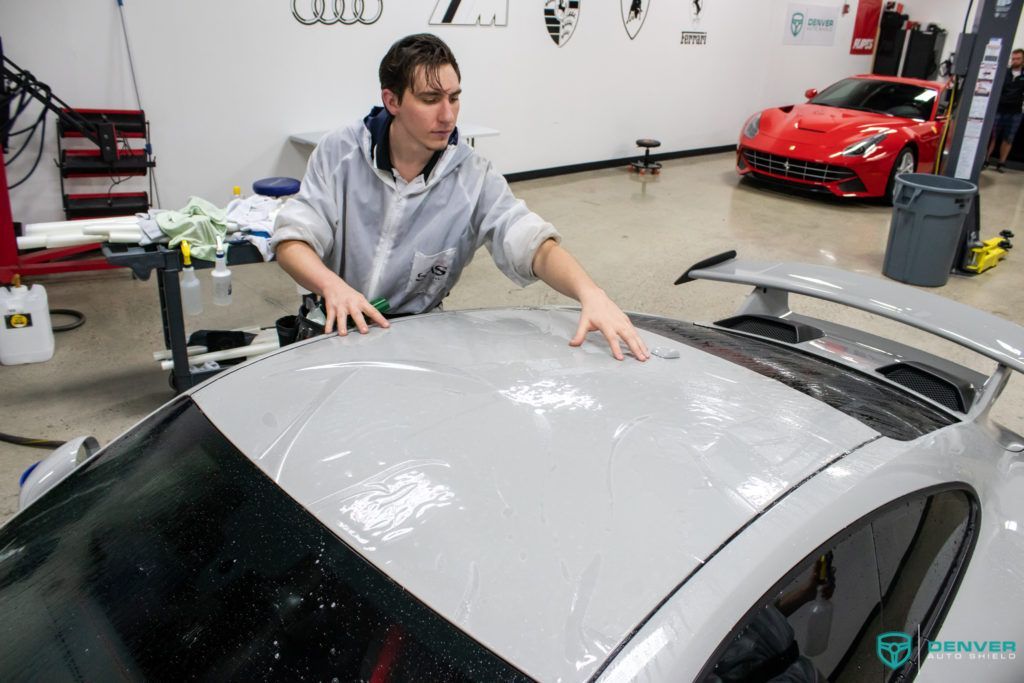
(119, 237)
(105, 228)
(227, 354)
(58, 240)
(31, 242)
(190, 350)
(75, 226)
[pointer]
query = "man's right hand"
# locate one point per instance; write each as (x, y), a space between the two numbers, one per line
(341, 302)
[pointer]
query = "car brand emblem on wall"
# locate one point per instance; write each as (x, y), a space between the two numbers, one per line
(345, 12)
(796, 23)
(561, 18)
(893, 648)
(698, 7)
(470, 13)
(634, 14)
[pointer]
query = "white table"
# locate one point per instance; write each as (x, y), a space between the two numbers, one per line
(469, 131)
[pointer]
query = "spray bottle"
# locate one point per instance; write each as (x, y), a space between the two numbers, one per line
(191, 294)
(221, 276)
(819, 620)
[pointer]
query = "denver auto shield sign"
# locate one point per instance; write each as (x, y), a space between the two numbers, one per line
(810, 25)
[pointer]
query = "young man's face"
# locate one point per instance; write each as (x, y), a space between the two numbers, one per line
(428, 111)
(1016, 60)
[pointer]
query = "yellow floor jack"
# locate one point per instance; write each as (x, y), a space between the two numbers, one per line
(988, 254)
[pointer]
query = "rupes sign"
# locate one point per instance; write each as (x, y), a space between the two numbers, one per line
(810, 25)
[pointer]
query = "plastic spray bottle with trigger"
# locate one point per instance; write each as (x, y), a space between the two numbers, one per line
(191, 294)
(221, 276)
(819, 620)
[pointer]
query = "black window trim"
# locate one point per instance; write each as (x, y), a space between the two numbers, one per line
(936, 613)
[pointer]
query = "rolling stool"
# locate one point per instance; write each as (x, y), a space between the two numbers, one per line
(643, 165)
(276, 187)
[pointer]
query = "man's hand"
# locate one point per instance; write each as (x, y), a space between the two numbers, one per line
(559, 269)
(601, 314)
(341, 302)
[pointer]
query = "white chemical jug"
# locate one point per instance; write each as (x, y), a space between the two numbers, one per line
(26, 335)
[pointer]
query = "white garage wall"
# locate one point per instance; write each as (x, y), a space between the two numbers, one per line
(224, 82)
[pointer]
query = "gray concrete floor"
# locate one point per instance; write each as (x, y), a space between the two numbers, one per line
(634, 236)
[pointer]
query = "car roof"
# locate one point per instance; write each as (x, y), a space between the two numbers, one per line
(544, 499)
(896, 79)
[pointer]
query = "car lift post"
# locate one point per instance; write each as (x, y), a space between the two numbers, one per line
(988, 45)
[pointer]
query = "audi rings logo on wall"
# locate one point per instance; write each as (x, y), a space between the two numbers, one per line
(345, 12)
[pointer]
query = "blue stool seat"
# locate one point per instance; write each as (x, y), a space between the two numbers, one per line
(276, 187)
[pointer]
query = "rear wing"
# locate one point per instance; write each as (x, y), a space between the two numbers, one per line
(986, 334)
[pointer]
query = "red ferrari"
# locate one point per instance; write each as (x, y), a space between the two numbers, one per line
(851, 139)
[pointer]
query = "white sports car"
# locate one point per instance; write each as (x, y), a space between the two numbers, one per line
(464, 497)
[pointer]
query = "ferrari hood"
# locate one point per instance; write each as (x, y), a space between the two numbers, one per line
(816, 124)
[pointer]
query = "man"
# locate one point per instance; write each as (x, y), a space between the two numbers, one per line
(1008, 114)
(395, 207)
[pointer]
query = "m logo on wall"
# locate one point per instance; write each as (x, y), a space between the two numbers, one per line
(634, 13)
(561, 18)
(810, 25)
(470, 13)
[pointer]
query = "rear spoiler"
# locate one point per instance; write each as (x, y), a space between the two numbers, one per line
(984, 333)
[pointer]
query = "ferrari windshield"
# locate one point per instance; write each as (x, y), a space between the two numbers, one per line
(171, 556)
(880, 97)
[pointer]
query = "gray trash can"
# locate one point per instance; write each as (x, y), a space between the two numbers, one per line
(928, 213)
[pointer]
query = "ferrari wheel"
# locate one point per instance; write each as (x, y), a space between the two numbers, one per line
(905, 163)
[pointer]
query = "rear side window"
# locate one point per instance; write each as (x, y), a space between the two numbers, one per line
(858, 609)
(170, 556)
(882, 407)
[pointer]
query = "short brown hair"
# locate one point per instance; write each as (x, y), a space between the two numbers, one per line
(398, 68)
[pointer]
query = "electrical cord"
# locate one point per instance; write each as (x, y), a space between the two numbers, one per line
(79, 319)
(35, 164)
(30, 442)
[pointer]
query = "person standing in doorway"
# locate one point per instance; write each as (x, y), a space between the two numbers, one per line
(1009, 113)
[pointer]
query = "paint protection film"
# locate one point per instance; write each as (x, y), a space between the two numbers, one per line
(171, 556)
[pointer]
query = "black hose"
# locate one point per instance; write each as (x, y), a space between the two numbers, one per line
(31, 443)
(78, 322)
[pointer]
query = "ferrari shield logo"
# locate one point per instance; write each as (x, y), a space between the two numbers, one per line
(796, 23)
(561, 18)
(634, 13)
(893, 648)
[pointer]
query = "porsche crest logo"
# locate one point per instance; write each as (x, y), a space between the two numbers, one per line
(561, 18)
(634, 14)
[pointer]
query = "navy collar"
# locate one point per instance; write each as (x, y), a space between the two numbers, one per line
(378, 122)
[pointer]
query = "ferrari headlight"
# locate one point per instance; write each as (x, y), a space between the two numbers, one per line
(753, 125)
(862, 147)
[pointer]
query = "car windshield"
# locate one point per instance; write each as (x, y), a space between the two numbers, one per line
(171, 556)
(881, 97)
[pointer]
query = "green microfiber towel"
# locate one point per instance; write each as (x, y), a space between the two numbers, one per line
(199, 222)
